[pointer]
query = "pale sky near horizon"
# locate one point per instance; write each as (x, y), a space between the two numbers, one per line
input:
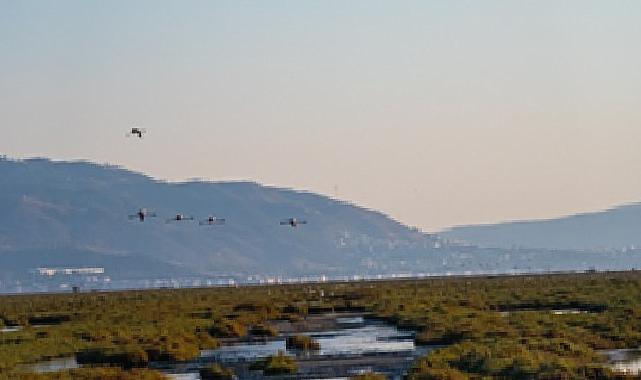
(437, 113)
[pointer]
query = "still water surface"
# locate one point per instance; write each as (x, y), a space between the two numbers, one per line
(367, 338)
(625, 361)
(354, 337)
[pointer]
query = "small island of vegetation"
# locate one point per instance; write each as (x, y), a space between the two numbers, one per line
(216, 372)
(302, 342)
(279, 364)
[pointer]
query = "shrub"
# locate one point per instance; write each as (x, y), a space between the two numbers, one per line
(126, 358)
(438, 374)
(216, 372)
(226, 328)
(96, 373)
(263, 330)
(302, 342)
(369, 376)
(280, 365)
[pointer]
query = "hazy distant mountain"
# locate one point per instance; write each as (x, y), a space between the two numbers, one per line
(617, 228)
(71, 215)
(76, 214)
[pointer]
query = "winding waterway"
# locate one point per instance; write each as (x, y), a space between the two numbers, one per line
(353, 345)
(349, 345)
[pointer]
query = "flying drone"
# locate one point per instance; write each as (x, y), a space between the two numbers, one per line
(180, 218)
(292, 222)
(212, 221)
(142, 214)
(135, 131)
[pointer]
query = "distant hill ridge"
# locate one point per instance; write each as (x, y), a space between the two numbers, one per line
(66, 213)
(75, 214)
(614, 228)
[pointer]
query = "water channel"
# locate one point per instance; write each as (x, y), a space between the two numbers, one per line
(625, 360)
(350, 344)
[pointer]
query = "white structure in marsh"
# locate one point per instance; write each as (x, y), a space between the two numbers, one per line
(68, 271)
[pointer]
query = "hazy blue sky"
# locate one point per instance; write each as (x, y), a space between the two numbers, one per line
(436, 112)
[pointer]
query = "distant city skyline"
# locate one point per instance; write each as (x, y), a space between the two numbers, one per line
(436, 113)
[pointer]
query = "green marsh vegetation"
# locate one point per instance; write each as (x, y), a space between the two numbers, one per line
(369, 376)
(525, 327)
(279, 364)
(111, 373)
(216, 372)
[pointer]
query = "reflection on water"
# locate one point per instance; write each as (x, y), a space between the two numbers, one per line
(348, 346)
(352, 346)
(569, 311)
(625, 361)
(350, 321)
(183, 376)
(8, 329)
(554, 311)
(369, 338)
(54, 365)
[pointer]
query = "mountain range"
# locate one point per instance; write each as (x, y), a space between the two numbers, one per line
(71, 214)
(76, 214)
(613, 229)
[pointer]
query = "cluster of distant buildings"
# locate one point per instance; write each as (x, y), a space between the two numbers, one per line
(64, 278)
(68, 271)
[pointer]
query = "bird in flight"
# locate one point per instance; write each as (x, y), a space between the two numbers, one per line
(138, 132)
(142, 214)
(212, 221)
(180, 218)
(292, 222)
